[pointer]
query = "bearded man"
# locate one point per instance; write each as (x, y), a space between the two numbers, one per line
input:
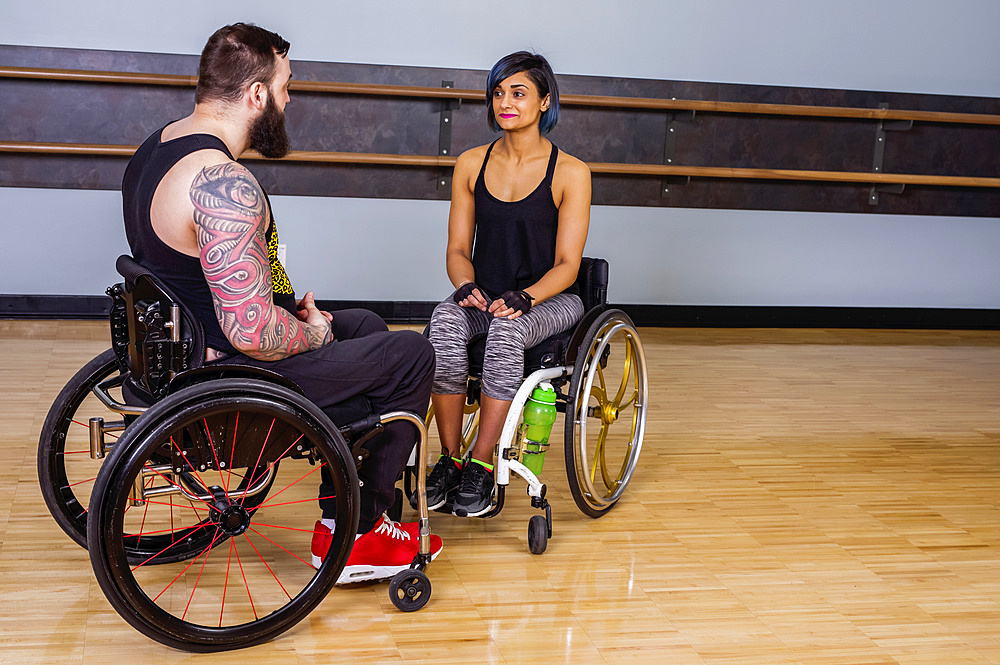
(198, 220)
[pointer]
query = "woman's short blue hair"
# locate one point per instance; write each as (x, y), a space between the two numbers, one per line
(538, 70)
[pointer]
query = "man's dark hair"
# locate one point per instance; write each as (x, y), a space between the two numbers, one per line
(234, 57)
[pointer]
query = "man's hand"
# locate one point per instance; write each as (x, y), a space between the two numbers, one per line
(307, 310)
(318, 324)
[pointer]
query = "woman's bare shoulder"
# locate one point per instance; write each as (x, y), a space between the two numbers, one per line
(572, 166)
(473, 156)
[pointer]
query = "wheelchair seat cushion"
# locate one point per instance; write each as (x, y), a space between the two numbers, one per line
(547, 353)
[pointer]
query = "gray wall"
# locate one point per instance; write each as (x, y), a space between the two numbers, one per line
(65, 241)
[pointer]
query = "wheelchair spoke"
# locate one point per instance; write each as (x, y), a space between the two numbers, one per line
(598, 393)
(263, 561)
(272, 465)
(232, 448)
(203, 485)
(599, 451)
(145, 508)
(165, 549)
(194, 587)
(259, 457)
(267, 502)
(626, 373)
(246, 585)
(634, 396)
(600, 376)
(225, 583)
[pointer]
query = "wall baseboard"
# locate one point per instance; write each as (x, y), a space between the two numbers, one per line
(664, 316)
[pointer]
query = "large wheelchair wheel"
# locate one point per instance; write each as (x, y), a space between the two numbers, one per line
(66, 472)
(605, 413)
(206, 459)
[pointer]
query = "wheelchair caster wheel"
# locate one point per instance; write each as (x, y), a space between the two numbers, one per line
(409, 590)
(538, 534)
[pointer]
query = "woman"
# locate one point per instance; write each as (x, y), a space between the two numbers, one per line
(520, 210)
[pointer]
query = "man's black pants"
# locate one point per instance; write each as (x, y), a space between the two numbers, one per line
(393, 369)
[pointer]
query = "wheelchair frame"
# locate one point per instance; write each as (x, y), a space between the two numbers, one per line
(594, 334)
(156, 338)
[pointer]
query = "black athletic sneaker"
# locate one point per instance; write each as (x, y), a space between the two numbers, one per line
(442, 480)
(475, 494)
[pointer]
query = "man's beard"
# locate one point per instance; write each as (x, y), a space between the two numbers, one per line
(268, 134)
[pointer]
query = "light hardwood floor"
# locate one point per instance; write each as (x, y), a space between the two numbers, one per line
(806, 496)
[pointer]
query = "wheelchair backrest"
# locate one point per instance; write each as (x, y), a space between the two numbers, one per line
(154, 335)
(592, 282)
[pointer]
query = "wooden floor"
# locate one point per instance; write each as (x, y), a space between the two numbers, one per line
(806, 496)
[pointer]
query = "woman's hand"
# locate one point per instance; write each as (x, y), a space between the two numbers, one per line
(511, 305)
(470, 295)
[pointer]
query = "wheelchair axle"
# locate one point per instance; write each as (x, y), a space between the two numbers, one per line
(231, 517)
(98, 446)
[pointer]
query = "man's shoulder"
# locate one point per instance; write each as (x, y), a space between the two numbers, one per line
(205, 166)
(207, 157)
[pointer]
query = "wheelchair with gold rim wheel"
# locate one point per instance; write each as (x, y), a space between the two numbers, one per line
(598, 370)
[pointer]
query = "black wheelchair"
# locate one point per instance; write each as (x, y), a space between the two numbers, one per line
(598, 370)
(200, 520)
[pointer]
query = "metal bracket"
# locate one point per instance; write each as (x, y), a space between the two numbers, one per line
(444, 136)
(878, 161)
(670, 147)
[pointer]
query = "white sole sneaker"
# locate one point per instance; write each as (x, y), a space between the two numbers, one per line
(362, 573)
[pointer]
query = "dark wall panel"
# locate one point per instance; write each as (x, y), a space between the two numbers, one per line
(125, 114)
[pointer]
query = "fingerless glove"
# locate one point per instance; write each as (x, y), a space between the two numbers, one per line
(517, 300)
(465, 291)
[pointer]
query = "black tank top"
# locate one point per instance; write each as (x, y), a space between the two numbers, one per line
(515, 242)
(180, 272)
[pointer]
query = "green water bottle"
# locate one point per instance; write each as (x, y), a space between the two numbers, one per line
(538, 416)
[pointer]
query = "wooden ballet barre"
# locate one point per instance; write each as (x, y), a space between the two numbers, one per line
(380, 159)
(599, 101)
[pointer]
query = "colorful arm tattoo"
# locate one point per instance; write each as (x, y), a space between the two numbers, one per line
(230, 217)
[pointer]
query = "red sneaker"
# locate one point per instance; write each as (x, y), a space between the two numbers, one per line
(322, 539)
(384, 551)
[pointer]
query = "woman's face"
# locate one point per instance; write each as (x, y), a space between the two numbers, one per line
(517, 103)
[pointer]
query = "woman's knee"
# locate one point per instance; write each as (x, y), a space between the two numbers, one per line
(506, 333)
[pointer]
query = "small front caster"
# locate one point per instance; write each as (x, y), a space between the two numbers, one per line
(538, 534)
(409, 590)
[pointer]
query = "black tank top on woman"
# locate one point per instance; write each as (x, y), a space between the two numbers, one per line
(182, 273)
(515, 242)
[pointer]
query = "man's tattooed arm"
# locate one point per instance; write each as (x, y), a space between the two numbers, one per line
(230, 220)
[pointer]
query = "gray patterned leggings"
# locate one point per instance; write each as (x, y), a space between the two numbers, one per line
(452, 326)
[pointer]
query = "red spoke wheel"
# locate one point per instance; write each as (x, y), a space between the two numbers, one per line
(67, 472)
(234, 465)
